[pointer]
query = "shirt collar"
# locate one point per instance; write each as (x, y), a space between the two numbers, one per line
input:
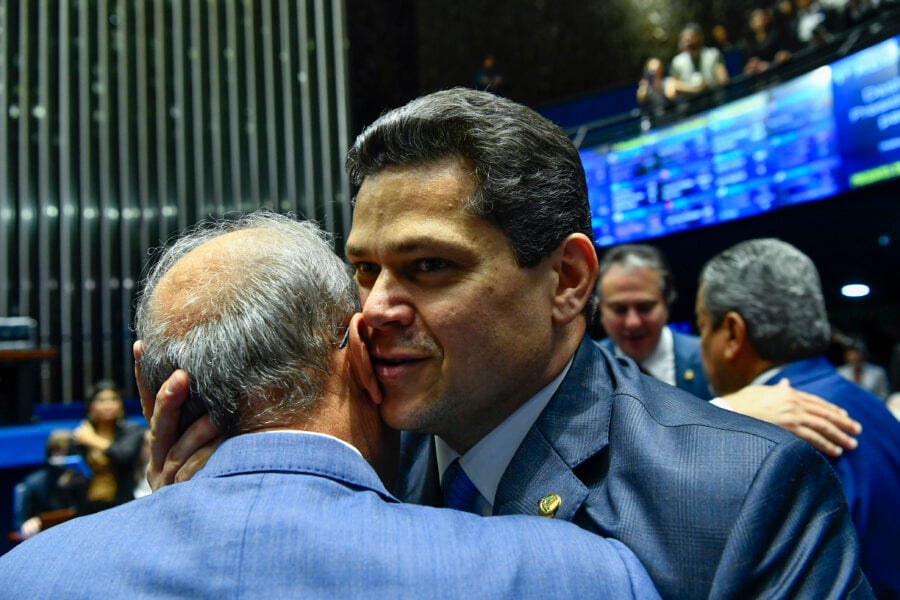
(304, 432)
(487, 460)
(767, 375)
(661, 362)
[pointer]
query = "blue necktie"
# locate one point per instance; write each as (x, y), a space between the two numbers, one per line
(459, 491)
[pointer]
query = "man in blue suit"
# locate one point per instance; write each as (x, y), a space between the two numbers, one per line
(635, 289)
(762, 317)
(472, 248)
(289, 506)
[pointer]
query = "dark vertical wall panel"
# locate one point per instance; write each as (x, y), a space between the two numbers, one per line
(68, 209)
(123, 121)
(7, 206)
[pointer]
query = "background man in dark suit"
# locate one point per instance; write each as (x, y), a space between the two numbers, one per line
(635, 288)
(762, 317)
(472, 247)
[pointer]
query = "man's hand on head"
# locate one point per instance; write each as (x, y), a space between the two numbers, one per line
(173, 458)
(827, 427)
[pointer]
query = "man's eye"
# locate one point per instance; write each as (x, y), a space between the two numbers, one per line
(429, 265)
(365, 268)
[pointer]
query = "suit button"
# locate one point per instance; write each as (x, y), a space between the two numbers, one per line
(548, 505)
(689, 375)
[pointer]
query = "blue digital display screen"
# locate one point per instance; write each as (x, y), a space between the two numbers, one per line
(828, 131)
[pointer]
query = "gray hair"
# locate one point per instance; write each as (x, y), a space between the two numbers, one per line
(530, 176)
(776, 289)
(255, 331)
(639, 256)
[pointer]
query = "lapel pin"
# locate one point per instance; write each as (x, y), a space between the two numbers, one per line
(689, 375)
(548, 505)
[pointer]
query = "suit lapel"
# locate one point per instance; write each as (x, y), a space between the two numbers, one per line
(572, 428)
(688, 375)
(419, 482)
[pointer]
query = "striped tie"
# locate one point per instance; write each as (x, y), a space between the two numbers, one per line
(459, 491)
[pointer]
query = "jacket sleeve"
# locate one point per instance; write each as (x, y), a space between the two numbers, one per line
(793, 536)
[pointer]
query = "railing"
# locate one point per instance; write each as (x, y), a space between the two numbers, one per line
(636, 121)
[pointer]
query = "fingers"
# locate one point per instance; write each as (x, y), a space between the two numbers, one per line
(164, 427)
(826, 438)
(819, 442)
(147, 399)
(835, 441)
(187, 455)
(834, 416)
(826, 426)
(825, 429)
(198, 458)
(823, 416)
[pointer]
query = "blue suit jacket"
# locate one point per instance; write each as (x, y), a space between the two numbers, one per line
(689, 374)
(282, 515)
(714, 504)
(870, 474)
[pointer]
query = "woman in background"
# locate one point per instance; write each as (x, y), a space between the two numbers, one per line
(111, 446)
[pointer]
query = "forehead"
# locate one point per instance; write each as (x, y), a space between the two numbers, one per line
(630, 281)
(402, 206)
(106, 396)
(203, 273)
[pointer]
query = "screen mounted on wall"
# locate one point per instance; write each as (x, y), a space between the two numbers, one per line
(828, 131)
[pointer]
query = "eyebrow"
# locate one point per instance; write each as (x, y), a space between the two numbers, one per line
(412, 246)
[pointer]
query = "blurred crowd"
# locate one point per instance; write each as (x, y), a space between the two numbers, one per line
(100, 464)
(774, 34)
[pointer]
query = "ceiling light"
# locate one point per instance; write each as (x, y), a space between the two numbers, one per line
(855, 290)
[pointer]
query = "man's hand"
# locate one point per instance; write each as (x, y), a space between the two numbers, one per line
(809, 417)
(173, 458)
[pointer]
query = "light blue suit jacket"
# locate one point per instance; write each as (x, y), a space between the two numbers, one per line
(689, 374)
(714, 504)
(870, 474)
(285, 515)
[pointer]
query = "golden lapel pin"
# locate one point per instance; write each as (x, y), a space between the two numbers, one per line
(548, 505)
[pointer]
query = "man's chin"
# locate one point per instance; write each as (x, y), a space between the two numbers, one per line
(399, 412)
(637, 353)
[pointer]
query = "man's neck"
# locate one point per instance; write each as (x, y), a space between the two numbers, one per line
(755, 369)
(462, 436)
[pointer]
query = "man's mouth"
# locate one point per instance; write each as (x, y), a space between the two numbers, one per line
(391, 368)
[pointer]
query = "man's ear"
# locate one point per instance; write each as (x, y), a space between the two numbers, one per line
(575, 263)
(360, 361)
(736, 330)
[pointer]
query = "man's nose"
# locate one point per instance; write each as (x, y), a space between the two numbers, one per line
(387, 303)
(632, 318)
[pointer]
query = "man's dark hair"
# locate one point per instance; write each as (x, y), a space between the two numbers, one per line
(531, 182)
(639, 256)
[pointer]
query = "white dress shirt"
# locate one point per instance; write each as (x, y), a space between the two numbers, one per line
(487, 460)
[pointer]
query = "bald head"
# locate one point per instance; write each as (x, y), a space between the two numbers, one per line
(197, 288)
(252, 310)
